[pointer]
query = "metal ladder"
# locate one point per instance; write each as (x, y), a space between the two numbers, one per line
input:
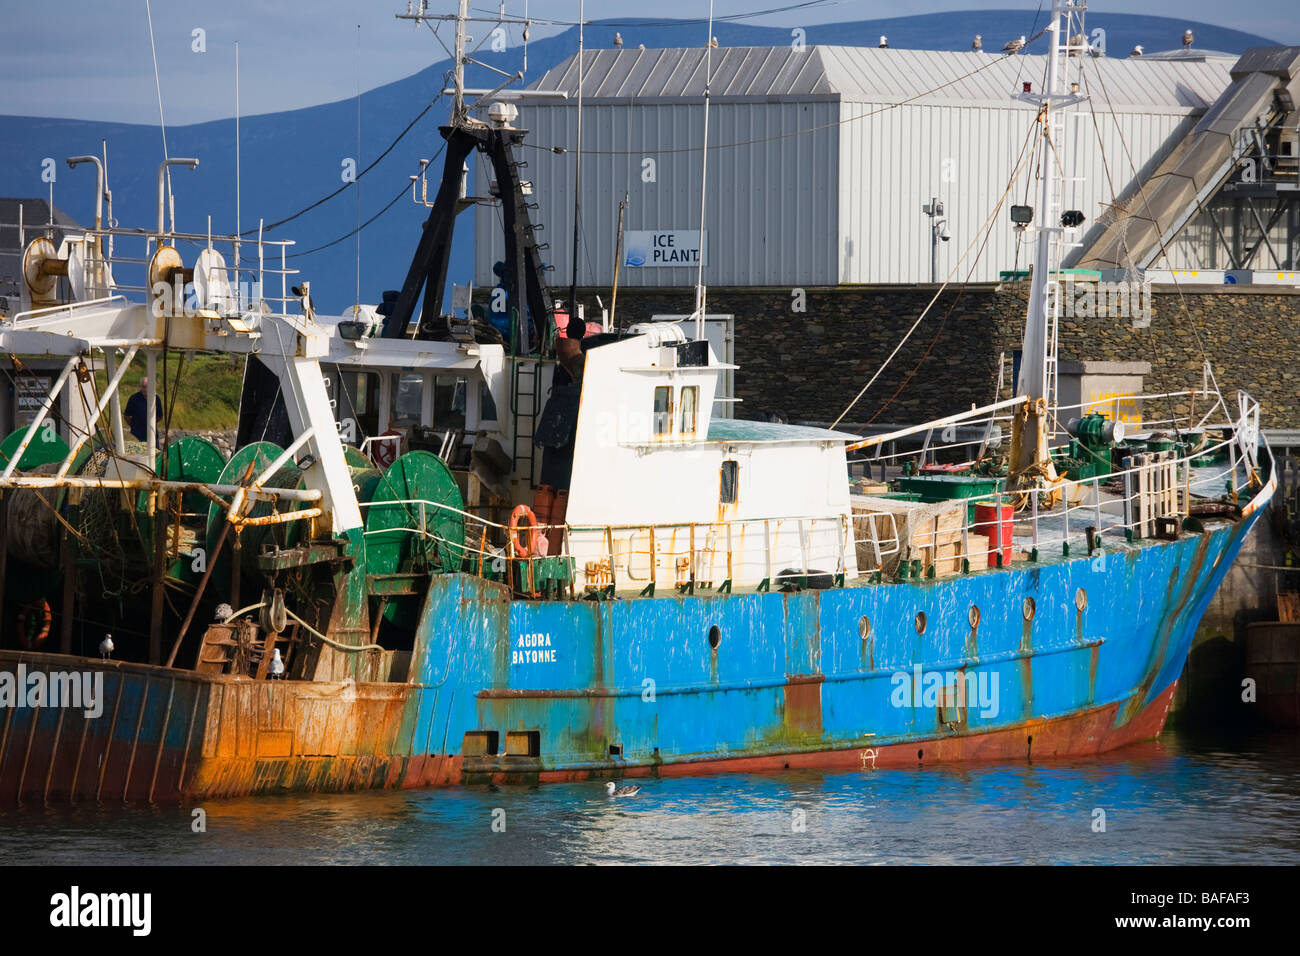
(524, 386)
(1056, 255)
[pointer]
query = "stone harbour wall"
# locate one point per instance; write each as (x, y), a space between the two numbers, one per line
(808, 365)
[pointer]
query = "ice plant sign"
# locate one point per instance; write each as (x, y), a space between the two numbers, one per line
(665, 247)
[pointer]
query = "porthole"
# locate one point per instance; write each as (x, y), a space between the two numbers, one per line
(1081, 599)
(1028, 609)
(974, 615)
(920, 622)
(864, 627)
(715, 637)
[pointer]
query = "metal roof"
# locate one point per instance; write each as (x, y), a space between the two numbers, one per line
(875, 75)
(36, 217)
(737, 71)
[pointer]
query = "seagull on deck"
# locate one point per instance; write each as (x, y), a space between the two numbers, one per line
(884, 43)
(1078, 43)
(616, 791)
(106, 647)
(1137, 51)
(1015, 46)
(1188, 38)
(978, 43)
(277, 665)
(618, 39)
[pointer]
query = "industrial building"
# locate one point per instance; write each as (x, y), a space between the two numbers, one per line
(835, 166)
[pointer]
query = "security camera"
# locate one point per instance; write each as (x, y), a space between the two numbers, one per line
(943, 231)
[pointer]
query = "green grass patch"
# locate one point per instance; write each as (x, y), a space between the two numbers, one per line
(206, 394)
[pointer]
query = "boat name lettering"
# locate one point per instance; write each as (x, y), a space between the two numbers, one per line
(533, 649)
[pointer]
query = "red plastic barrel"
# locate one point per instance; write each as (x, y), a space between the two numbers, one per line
(543, 502)
(986, 522)
(558, 512)
(593, 326)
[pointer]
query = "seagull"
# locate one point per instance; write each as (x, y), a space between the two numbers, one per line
(1078, 43)
(277, 666)
(978, 42)
(714, 43)
(1137, 51)
(615, 791)
(1015, 46)
(884, 43)
(106, 647)
(1188, 38)
(618, 39)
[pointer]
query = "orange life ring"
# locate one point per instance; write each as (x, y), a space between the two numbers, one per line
(37, 614)
(522, 550)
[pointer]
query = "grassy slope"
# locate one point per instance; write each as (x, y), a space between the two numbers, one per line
(208, 395)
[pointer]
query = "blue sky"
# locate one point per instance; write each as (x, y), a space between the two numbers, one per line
(303, 53)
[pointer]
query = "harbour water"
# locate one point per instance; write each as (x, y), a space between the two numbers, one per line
(1180, 800)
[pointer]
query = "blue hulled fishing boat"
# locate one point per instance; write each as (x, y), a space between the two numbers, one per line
(517, 546)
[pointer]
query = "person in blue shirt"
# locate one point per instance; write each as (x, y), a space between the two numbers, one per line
(136, 411)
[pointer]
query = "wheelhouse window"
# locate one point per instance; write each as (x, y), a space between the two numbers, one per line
(487, 406)
(355, 397)
(408, 398)
(663, 418)
(690, 396)
(727, 483)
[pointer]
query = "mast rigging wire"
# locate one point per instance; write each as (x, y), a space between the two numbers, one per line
(162, 124)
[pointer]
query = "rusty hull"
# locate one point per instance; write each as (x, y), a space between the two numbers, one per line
(636, 687)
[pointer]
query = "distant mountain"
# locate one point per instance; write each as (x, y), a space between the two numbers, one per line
(291, 159)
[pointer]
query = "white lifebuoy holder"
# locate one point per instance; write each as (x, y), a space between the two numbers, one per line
(385, 447)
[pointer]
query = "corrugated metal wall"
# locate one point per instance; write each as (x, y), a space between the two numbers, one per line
(894, 161)
(836, 204)
(772, 203)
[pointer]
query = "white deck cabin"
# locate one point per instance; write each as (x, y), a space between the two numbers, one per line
(682, 496)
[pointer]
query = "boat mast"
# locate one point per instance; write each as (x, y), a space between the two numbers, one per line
(528, 301)
(1031, 424)
(700, 291)
(577, 174)
(458, 100)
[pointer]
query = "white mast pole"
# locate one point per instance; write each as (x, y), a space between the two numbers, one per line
(458, 108)
(1033, 368)
(357, 181)
(700, 292)
(238, 222)
(1029, 446)
(577, 170)
(238, 207)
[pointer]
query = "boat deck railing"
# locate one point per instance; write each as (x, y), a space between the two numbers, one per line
(1151, 496)
(228, 274)
(883, 538)
(648, 557)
